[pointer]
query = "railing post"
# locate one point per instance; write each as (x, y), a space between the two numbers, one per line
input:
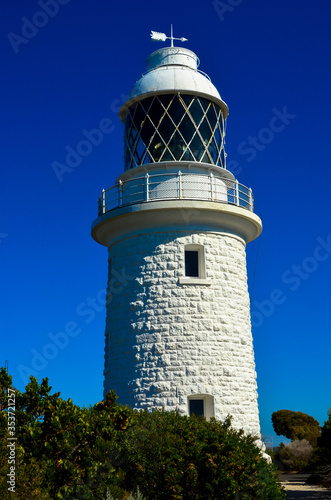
(211, 177)
(237, 193)
(103, 203)
(120, 193)
(147, 187)
(179, 185)
(250, 194)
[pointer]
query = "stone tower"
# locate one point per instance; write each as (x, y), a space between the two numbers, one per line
(176, 223)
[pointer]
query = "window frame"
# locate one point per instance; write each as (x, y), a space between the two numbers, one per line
(208, 404)
(190, 264)
(201, 278)
(203, 406)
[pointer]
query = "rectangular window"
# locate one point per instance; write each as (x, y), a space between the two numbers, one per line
(194, 272)
(196, 407)
(192, 263)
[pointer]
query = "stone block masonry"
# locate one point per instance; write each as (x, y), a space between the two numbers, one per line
(167, 341)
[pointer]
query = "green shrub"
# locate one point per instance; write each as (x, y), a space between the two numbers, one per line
(322, 476)
(69, 453)
(137, 495)
(322, 457)
(174, 457)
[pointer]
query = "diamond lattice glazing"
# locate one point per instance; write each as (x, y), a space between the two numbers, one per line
(174, 127)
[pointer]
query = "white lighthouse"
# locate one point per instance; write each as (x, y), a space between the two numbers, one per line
(176, 224)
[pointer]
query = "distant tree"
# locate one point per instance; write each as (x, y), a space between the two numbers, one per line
(296, 455)
(296, 425)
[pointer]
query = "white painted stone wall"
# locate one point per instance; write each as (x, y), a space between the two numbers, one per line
(166, 341)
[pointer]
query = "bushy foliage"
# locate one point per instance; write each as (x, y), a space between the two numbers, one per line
(322, 476)
(297, 455)
(322, 456)
(66, 449)
(137, 495)
(175, 457)
(106, 451)
(295, 425)
(324, 442)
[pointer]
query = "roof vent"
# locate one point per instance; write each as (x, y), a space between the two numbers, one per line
(168, 56)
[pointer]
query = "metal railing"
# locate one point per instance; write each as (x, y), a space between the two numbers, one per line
(175, 186)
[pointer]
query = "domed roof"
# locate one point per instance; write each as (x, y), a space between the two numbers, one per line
(173, 69)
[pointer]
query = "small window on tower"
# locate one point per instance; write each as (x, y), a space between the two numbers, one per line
(196, 407)
(194, 272)
(192, 263)
(201, 404)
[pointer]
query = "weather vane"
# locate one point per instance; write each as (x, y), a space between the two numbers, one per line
(162, 37)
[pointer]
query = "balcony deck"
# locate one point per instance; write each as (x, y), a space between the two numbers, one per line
(175, 186)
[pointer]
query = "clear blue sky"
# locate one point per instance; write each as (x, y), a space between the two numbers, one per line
(65, 71)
